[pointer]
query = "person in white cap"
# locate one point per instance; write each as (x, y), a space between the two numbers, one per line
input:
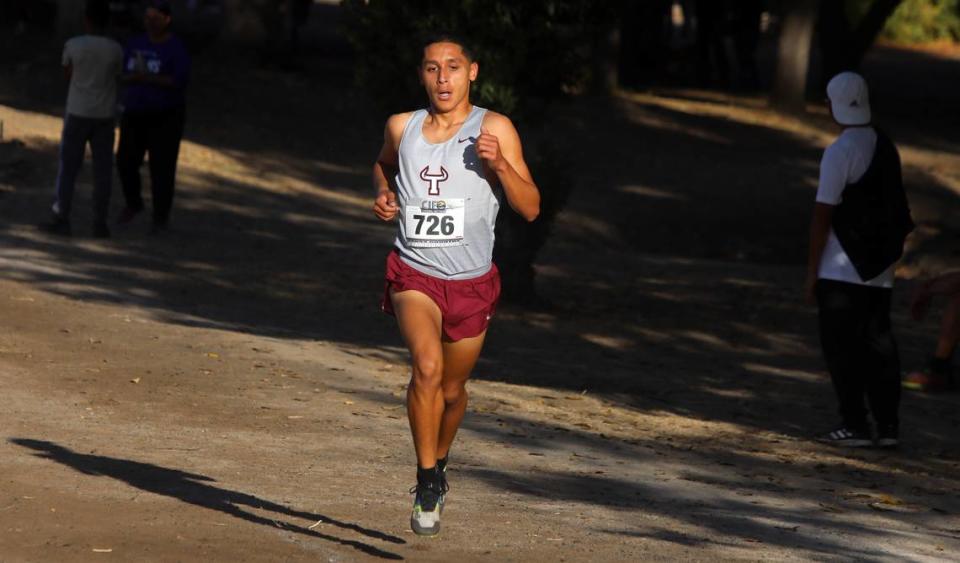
(860, 221)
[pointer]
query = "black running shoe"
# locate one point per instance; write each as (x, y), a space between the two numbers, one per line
(442, 470)
(847, 437)
(888, 437)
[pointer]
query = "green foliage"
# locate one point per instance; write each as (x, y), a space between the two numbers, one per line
(528, 52)
(916, 21)
(920, 21)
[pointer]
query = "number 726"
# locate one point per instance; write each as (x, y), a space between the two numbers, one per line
(435, 225)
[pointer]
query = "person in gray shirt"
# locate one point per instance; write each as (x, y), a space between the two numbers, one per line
(92, 63)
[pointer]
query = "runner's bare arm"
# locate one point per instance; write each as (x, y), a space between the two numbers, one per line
(500, 149)
(819, 231)
(385, 204)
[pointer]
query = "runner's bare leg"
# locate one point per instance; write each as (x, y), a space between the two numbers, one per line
(420, 324)
(458, 360)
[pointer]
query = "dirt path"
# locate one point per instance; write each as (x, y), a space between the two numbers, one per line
(164, 442)
(230, 392)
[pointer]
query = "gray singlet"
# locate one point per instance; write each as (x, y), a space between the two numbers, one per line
(447, 207)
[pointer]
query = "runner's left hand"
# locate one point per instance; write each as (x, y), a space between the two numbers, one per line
(488, 149)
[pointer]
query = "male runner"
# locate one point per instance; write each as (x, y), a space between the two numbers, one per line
(437, 173)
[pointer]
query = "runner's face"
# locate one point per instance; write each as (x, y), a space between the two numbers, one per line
(446, 75)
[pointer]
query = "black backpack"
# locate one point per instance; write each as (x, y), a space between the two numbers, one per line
(873, 219)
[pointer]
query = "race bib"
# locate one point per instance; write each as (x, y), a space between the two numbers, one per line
(435, 222)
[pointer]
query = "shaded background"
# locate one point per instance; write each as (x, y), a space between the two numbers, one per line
(677, 183)
(678, 153)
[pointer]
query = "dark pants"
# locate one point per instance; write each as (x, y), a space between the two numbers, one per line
(860, 351)
(159, 133)
(77, 132)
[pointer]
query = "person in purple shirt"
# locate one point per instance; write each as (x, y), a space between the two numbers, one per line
(156, 72)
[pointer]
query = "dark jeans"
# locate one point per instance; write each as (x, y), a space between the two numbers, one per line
(159, 133)
(860, 351)
(77, 132)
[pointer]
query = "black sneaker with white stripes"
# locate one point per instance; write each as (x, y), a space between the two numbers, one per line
(847, 437)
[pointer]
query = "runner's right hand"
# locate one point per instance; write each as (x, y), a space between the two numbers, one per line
(385, 206)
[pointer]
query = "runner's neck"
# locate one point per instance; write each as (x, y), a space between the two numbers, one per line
(451, 119)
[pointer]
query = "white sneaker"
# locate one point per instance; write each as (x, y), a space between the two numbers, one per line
(427, 505)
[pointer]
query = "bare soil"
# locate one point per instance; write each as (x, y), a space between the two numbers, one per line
(230, 391)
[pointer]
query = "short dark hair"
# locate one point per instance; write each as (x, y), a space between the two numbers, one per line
(97, 13)
(162, 6)
(448, 37)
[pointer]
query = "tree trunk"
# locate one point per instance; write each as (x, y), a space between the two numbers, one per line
(869, 28)
(833, 30)
(643, 42)
(607, 59)
(793, 54)
(843, 47)
(517, 241)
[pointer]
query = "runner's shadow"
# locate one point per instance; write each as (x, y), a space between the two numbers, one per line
(193, 489)
(471, 160)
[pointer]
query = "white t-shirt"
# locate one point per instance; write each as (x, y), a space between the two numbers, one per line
(97, 62)
(844, 162)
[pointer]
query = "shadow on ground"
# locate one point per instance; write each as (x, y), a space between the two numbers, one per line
(198, 490)
(674, 274)
(655, 269)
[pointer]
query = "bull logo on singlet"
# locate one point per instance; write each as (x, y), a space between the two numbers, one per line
(433, 179)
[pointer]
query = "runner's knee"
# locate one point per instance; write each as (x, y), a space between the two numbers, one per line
(453, 394)
(427, 371)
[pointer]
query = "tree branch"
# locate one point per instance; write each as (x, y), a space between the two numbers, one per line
(868, 29)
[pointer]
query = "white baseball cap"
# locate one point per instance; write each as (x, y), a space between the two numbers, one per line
(849, 99)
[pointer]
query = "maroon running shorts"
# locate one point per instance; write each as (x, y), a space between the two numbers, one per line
(465, 305)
